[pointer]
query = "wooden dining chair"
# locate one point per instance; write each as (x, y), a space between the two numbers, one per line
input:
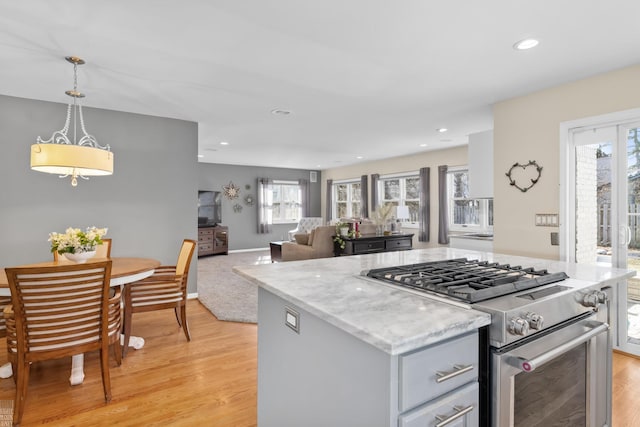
(166, 288)
(56, 312)
(102, 251)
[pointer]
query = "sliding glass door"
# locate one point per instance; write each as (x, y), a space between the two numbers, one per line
(605, 178)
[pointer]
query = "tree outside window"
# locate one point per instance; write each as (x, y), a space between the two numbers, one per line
(287, 202)
(466, 213)
(403, 191)
(347, 200)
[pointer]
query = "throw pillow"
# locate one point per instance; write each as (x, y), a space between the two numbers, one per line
(302, 239)
(313, 232)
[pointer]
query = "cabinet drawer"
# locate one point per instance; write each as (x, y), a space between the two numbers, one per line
(461, 405)
(205, 247)
(398, 244)
(436, 370)
(205, 232)
(361, 247)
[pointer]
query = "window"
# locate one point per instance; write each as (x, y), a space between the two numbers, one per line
(401, 191)
(347, 199)
(287, 202)
(466, 213)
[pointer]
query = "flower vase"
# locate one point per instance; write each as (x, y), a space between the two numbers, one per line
(80, 257)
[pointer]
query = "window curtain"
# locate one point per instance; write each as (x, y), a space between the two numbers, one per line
(443, 203)
(305, 198)
(424, 211)
(265, 205)
(329, 200)
(374, 190)
(364, 197)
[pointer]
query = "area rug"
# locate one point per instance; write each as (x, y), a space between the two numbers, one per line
(227, 295)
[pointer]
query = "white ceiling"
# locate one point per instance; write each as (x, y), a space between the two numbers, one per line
(370, 78)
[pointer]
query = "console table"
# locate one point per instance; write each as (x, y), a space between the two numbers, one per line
(367, 244)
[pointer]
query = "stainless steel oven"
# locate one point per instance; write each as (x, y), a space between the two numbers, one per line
(560, 377)
(545, 359)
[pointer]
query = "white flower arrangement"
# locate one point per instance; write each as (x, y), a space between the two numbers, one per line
(75, 241)
(382, 214)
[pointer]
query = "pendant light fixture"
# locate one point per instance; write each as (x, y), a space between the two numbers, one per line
(75, 158)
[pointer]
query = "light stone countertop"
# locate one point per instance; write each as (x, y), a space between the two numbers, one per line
(389, 318)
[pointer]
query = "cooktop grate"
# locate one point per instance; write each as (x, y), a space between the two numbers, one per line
(467, 280)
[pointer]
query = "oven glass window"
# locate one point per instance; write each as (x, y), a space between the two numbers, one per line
(555, 394)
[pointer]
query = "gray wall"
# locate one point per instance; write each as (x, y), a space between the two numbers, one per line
(149, 204)
(243, 226)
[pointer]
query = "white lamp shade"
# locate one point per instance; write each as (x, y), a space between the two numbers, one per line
(402, 212)
(69, 159)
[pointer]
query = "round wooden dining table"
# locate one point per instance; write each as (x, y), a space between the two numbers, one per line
(123, 270)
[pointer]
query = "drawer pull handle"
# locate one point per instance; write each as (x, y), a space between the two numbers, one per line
(460, 412)
(458, 370)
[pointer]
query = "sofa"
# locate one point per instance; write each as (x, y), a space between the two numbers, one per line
(316, 244)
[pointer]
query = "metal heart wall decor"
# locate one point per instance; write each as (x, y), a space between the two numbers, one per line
(529, 172)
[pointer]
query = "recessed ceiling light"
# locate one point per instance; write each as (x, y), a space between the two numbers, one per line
(442, 130)
(424, 145)
(359, 157)
(526, 44)
(280, 112)
(224, 143)
(200, 156)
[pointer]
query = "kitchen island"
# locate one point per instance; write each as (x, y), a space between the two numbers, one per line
(335, 348)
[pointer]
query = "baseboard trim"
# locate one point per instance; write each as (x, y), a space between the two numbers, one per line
(248, 250)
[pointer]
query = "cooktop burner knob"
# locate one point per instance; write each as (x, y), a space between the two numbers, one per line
(594, 299)
(518, 326)
(535, 320)
(602, 297)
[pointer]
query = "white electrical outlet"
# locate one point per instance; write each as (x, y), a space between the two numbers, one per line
(292, 319)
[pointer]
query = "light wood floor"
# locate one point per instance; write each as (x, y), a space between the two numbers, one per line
(210, 381)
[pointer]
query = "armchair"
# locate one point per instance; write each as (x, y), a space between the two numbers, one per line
(321, 245)
(305, 225)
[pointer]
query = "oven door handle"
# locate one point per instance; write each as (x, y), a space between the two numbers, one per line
(529, 365)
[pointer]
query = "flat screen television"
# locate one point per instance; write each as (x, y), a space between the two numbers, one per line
(209, 208)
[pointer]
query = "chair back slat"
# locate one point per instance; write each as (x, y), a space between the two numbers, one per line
(4, 301)
(60, 308)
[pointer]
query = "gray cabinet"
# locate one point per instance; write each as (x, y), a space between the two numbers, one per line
(213, 240)
(315, 374)
(458, 409)
(436, 370)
